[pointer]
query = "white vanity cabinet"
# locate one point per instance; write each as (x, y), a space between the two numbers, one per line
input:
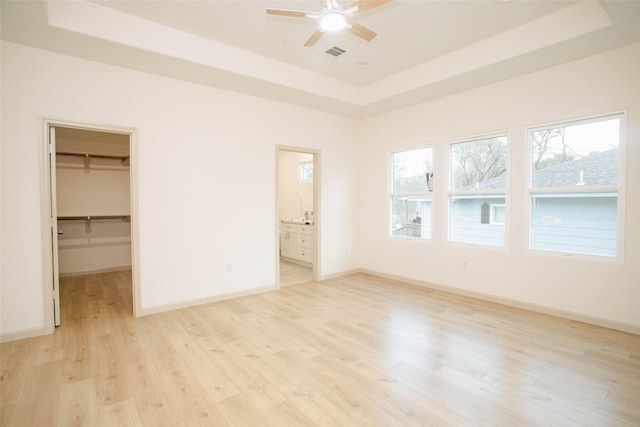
(296, 242)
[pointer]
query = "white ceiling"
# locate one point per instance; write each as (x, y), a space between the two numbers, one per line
(424, 49)
(410, 32)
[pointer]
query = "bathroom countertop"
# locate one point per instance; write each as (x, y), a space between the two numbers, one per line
(297, 221)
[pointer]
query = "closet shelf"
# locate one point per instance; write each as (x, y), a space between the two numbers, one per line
(90, 217)
(100, 156)
(100, 241)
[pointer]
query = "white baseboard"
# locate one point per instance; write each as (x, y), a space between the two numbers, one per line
(20, 335)
(200, 301)
(339, 274)
(101, 270)
(297, 261)
(579, 317)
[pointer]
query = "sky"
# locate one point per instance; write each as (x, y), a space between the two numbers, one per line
(588, 137)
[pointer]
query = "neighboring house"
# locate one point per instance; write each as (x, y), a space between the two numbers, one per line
(568, 221)
(573, 222)
(415, 217)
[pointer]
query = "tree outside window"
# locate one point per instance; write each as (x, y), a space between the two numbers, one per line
(574, 187)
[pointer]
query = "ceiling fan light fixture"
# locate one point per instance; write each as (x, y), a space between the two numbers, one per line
(335, 17)
(333, 20)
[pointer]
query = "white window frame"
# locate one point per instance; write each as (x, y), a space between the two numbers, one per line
(505, 193)
(492, 213)
(392, 194)
(619, 189)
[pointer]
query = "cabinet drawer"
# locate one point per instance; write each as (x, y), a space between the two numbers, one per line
(305, 254)
(305, 229)
(305, 241)
(289, 227)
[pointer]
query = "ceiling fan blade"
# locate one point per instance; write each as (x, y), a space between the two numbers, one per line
(293, 13)
(364, 5)
(361, 31)
(314, 37)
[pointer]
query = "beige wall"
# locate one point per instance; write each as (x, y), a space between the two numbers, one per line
(587, 286)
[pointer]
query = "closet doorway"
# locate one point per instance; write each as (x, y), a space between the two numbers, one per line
(297, 207)
(90, 201)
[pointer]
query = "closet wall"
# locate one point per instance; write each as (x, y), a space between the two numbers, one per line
(92, 187)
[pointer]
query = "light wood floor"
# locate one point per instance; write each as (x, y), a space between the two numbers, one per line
(291, 273)
(353, 351)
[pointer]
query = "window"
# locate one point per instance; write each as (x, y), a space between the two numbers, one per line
(306, 171)
(477, 194)
(574, 187)
(497, 214)
(411, 183)
(492, 214)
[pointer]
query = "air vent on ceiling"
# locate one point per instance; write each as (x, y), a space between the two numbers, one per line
(335, 51)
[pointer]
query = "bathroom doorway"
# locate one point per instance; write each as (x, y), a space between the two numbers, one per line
(297, 216)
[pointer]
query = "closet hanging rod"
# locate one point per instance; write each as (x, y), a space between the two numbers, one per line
(91, 217)
(101, 156)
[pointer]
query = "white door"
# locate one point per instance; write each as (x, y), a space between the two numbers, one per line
(54, 225)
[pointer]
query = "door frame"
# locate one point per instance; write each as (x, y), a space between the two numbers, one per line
(55, 260)
(46, 213)
(316, 208)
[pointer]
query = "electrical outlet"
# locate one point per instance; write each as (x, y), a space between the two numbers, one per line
(464, 264)
(229, 268)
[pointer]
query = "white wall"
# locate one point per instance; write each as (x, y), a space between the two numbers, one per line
(102, 190)
(591, 288)
(206, 177)
(106, 247)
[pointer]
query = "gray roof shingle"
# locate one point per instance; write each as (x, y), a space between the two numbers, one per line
(597, 169)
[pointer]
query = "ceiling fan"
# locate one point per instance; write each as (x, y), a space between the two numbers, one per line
(335, 17)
